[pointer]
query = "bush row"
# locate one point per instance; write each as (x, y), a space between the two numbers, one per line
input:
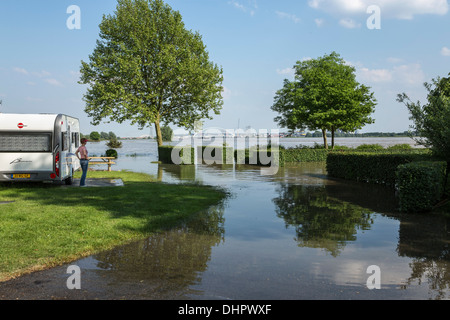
(420, 185)
(303, 155)
(215, 155)
(418, 178)
(264, 156)
(183, 155)
(372, 167)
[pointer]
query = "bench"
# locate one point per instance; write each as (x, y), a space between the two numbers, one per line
(102, 160)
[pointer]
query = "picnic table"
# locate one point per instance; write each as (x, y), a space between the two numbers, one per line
(102, 160)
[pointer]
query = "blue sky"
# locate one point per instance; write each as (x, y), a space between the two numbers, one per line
(257, 42)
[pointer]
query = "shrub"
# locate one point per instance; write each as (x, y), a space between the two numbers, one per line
(165, 154)
(114, 143)
(370, 147)
(111, 153)
(420, 185)
(403, 146)
(338, 148)
(371, 167)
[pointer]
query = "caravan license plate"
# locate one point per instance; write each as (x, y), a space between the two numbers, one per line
(21, 176)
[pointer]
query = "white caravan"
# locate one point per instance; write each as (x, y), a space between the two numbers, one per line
(38, 147)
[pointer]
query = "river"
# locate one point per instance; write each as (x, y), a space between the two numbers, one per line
(296, 235)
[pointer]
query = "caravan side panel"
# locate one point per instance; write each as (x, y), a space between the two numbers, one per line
(29, 145)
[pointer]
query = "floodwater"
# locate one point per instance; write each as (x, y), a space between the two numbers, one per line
(296, 235)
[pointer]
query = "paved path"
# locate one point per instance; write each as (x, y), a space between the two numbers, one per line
(99, 183)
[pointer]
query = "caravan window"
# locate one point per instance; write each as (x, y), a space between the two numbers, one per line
(65, 141)
(75, 139)
(25, 142)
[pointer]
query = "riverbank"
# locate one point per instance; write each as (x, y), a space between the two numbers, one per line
(44, 225)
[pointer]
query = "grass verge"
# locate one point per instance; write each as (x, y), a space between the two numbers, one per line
(48, 225)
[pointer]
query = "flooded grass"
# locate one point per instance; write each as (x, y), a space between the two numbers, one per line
(46, 225)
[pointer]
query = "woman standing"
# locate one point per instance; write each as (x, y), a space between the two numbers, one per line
(82, 155)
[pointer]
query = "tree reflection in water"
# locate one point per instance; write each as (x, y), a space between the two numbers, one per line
(426, 239)
(168, 262)
(330, 216)
(320, 221)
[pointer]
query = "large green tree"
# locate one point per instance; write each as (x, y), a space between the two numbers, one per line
(431, 122)
(324, 96)
(147, 68)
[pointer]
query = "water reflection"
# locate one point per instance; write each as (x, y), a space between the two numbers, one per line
(168, 263)
(320, 220)
(426, 240)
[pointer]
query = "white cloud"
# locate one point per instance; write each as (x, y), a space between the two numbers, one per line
(405, 74)
(250, 6)
(349, 23)
(319, 22)
(399, 9)
(53, 82)
(42, 74)
(445, 52)
(75, 73)
(375, 75)
(289, 16)
(21, 70)
(286, 71)
(411, 74)
(226, 93)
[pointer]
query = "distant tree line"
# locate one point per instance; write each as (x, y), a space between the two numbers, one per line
(95, 136)
(319, 134)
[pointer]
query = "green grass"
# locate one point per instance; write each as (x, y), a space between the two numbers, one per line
(49, 225)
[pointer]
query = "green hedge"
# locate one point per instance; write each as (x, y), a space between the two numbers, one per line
(217, 155)
(373, 167)
(165, 154)
(259, 157)
(420, 185)
(303, 155)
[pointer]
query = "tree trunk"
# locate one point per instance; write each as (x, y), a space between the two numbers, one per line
(332, 138)
(158, 132)
(325, 142)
